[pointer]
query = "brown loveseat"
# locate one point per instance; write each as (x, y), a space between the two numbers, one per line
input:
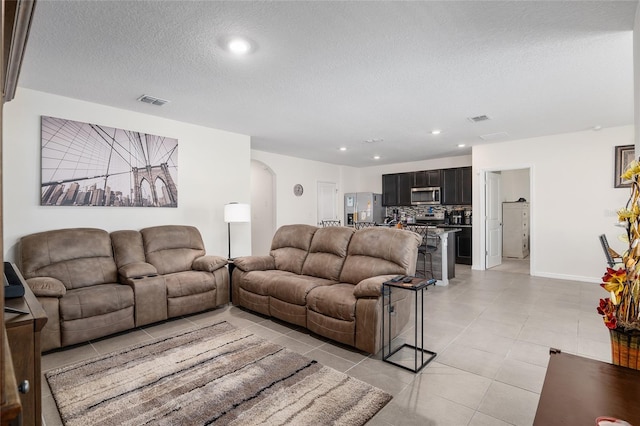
(92, 283)
(329, 280)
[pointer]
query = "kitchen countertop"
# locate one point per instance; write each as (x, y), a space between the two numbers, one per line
(454, 226)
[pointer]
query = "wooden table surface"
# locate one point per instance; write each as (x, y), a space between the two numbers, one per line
(577, 390)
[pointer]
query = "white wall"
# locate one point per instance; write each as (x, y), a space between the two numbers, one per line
(290, 171)
(572, 200)
(515, 185)
(213, 169)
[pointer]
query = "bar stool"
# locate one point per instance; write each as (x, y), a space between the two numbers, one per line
(422, 248)
(326, 223)
(432, 242)
(360, 225)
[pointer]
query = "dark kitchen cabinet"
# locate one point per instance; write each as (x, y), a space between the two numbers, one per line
(465, 186)
(456, 186)
(390, 190)
(463, 246)
(405, 182)
(426, 178)
(396, 189)
(449, 186)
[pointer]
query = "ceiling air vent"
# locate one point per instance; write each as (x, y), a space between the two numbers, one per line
(478, 118)
(152, 100)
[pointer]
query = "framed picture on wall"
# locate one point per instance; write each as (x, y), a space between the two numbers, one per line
(624, 156)
(86, 164)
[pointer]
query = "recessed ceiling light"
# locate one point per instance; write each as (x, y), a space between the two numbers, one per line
(436, 132)
(461, 145)
(376, 157)
(239, 46)
(596, 128)
(343, 148)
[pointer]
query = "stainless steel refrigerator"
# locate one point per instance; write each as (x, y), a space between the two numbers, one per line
(363, 207)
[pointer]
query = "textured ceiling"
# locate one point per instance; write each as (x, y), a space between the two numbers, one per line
(330, 74)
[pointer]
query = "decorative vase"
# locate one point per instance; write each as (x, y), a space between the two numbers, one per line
(624, 347)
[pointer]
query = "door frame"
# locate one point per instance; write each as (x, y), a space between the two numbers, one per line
(334, 186)
(481, 245)
(273, 205)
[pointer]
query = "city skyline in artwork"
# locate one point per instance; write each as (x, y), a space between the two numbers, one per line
(86, 164)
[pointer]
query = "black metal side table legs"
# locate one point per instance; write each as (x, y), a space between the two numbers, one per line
(421, 356)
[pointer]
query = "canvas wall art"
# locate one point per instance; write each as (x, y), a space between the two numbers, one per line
(87, 164)
(624, 157)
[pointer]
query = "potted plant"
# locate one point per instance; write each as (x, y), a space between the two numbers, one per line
(621, 310)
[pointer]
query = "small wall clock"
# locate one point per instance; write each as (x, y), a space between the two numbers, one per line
(298, 189)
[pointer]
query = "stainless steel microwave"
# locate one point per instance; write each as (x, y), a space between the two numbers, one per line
(428, 195)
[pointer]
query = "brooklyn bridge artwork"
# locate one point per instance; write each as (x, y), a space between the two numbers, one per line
(87, 164)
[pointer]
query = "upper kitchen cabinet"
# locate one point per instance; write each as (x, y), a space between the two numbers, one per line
(405, 182)
(426, 178)
(396, 189)
(390, 190)
(466, 198)
(456, 186)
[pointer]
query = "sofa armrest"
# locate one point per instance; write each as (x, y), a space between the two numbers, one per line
(46, 287)
(371, 287)
(137, 269)
(255, 263)
(209, 263)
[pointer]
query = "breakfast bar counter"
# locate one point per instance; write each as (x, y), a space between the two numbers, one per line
(444, 258)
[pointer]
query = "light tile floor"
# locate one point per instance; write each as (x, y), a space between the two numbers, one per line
(492, 331)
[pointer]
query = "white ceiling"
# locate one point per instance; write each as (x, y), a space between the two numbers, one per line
(330, 74)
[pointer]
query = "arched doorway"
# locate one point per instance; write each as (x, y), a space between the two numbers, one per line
(263, 207)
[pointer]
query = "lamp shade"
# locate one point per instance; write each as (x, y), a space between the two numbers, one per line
(236, 212)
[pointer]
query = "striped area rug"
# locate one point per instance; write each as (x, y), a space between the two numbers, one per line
(212, 375)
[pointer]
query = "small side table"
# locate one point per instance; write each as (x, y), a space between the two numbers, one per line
(421, 356)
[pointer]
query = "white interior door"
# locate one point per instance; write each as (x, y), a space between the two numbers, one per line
(327, 201)
(494, 220)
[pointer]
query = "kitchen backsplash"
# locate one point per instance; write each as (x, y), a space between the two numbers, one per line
(414, 211)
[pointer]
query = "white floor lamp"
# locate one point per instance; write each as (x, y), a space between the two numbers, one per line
(236, 212)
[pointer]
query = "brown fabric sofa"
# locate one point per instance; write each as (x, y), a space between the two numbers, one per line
(92, 283)
(329, 280)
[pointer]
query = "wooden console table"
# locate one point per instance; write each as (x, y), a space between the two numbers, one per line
(23, 335)
(578, 390)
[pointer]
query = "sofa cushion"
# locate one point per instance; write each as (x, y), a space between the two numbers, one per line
(290, 246)
(188, 283)
(327, 252)
(78, 257)
(380, 251)
(258, 282)
(336, 301)
(294, 288)
(127, 247)
(172, 248)
(96, 300)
